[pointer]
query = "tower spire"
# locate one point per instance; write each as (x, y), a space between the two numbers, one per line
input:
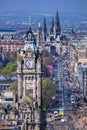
(39, 35)
(57, 25)
(45, 29)
(52, 26)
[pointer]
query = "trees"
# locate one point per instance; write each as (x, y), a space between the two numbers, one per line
(48, 90)
(47, 60)
(9, 70)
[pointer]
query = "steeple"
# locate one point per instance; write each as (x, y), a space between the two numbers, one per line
(52, 27)
(57, 25)
(39, 35)
(39, 26)
(45, 30)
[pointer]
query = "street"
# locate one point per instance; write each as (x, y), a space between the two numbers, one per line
(63, 100)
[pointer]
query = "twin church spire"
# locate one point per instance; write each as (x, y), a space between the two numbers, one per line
(57, 24)
(43, 33)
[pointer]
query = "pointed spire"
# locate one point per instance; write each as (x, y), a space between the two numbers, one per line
(57, 24)
(45, 29)
(52, 26)
(39, 35)
(39, 26)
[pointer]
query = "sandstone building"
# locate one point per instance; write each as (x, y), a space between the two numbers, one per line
(29, 73)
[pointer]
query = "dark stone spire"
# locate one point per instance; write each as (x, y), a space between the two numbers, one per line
(52, 26)
(45, 29)
(39, 26)
(39, 35)
(57, 24)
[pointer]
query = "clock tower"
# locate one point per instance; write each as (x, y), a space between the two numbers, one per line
(29, 72)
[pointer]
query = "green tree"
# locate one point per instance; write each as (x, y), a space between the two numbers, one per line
(9, 70)
(47, 60)
(48, 90)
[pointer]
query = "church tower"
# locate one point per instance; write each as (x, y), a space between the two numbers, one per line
(29, 72)
(44, 30)
(57, 29)
(52, 27)
(39, 35)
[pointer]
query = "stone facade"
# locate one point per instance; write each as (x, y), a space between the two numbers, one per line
(30, 83)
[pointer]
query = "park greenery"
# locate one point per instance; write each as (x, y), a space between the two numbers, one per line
(9, 68)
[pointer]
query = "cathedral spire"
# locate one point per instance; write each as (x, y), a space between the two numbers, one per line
(39, 35)
(45, 29)
(57, 25)
(52, 26)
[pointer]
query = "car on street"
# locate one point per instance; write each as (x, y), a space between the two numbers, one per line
(63, 120)
(73, 101)
(61, 112)
(72, 96)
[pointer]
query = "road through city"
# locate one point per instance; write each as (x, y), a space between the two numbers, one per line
(63, 100)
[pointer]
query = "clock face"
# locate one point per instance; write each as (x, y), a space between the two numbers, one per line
(29, 63)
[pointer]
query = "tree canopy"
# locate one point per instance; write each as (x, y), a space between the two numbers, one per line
(9, 70)
(47, 60)
(48, 90)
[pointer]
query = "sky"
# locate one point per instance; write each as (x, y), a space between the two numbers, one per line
(45, 6)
